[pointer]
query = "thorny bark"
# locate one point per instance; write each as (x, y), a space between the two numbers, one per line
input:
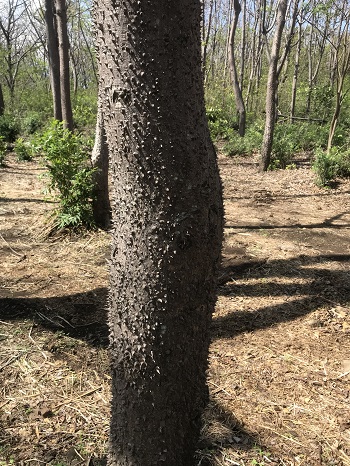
(167, 227)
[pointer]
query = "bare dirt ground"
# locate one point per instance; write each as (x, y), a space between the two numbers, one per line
(279, 371)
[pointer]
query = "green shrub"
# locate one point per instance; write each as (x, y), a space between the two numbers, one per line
(285, 144)
(249, 144)
(3, 148)
(343, 164)
(31, 123)
(332, 164)
(71, 176)
(219, 124)
(85, 110)
(9, 128)
(24, 150)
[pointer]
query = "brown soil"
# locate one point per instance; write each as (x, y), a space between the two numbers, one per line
(280, 355)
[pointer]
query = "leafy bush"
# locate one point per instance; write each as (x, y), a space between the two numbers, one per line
(3, 147)
(288, 140)
(71, 176)
(9, 128)
(24, 150)
(31, 123)
(329, 165)
(285, 144)
(219, 123)
(249, 144)
(85, 110)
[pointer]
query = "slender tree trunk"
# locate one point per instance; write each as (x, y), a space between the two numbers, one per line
(227, 49)
(295, 75)
(313, 53)
(342, 70)
(272, 86)
(254, 53)
(213, 52)
(233, 71)
(54, 60)
(2, 102)
(167, 228)
(63, 47)
(334, 121)
(75, 78)
(99, 159)
(243, 44)
(206, 36)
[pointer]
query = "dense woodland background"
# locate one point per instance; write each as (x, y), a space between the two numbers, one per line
(309, 96)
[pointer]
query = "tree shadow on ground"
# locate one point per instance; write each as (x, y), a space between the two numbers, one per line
(318, 286)
(84, 315)
(327, 223)
(222, 430)
(22, 199)
(81, 315)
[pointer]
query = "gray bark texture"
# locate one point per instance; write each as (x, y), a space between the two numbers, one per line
(99, 160)
(295, 75)
(63, 47)
(167, 227)
(233, 71)
(2, 102)
(54, 59)
(272, 87)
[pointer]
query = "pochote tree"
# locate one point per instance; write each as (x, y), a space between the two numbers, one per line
(167, 227)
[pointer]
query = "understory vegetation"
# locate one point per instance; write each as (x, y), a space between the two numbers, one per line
(290, 139)
(64, 153)
(312, 98)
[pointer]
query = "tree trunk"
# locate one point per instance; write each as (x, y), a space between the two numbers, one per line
(99, 159)
(167, 228)
(54, 59)
(206, 36)
(2, 102)
(342, 65)
(295, 75)
(255, 51)
(272, 86)
(233, 71)
(243, 44)
(341, 73)
(63, 47)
